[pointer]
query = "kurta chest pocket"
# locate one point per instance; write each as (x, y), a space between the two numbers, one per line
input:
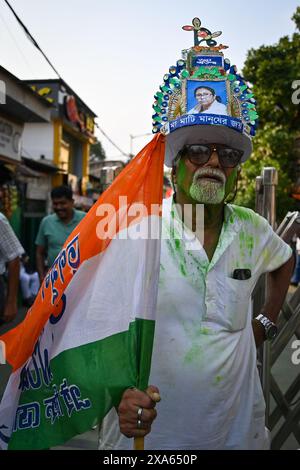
(235, 301)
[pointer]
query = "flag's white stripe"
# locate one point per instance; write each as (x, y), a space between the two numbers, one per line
(110, 290)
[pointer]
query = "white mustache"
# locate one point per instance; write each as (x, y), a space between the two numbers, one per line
(210, 172)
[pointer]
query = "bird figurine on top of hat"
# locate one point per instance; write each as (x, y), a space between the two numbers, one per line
(204, 99)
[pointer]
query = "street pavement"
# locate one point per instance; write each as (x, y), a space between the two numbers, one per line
(284, 371)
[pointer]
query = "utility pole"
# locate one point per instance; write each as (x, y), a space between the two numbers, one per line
(134, 137)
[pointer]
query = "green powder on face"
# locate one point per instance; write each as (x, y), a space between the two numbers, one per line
(230, 182)
(181, 173)
(207, 192)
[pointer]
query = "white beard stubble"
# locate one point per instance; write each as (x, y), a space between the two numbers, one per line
(208, 192)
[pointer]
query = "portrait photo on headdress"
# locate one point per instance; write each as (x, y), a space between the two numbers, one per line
(206, 97)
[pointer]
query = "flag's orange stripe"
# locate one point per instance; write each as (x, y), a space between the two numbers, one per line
(141, 181)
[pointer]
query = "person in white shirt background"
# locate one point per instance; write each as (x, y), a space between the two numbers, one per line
(29, 281)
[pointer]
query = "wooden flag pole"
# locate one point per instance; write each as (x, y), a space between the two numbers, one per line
(139, 441)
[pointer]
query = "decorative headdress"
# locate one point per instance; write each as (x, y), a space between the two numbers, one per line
(203, 98)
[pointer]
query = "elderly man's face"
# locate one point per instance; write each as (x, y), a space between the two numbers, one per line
(209, 183)
(204, 96)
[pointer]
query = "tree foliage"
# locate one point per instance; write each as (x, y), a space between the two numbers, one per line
(97, 150)
(272, 70)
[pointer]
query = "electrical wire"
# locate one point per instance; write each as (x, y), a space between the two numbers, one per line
(34, 42)
(109, 139)
(30, 37)
(16, 43)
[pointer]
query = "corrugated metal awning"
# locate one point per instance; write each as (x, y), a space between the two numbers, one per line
(43, 166)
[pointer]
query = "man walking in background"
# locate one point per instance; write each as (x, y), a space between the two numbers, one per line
(55, 228)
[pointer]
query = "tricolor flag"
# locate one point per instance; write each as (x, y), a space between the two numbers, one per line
(89, 334)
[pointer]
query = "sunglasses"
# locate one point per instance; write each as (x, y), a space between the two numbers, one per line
(201, 153)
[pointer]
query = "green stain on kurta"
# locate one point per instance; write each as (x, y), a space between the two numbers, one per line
(243, 213)
(182, 269)
(161, 280)
(190, 264)
(246, 244)
(202, 330)
(205, 331)
(266, 255)
(194, 354)
(218, 379)
(177, 245)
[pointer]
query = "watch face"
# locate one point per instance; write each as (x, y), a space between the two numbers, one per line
(271, 332)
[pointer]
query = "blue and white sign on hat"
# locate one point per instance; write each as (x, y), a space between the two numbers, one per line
(204, 99)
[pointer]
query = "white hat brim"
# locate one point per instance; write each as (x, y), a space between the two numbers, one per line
(205, 134)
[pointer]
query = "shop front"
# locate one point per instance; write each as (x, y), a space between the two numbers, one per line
(19, 104)
(66, 140)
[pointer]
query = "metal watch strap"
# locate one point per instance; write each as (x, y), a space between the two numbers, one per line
(266, 323)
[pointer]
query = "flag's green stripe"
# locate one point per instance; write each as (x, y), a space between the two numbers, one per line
(101, 370)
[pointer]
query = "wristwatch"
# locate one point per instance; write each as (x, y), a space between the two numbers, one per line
(271, 329)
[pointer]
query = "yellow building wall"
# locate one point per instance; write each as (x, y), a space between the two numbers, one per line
(85, 165)
(59, 152)
(57, 180)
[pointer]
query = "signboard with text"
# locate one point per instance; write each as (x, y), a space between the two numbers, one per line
(10, 139)
(207, 61)
(77, 117)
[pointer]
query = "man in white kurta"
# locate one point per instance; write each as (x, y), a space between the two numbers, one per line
(204, 357)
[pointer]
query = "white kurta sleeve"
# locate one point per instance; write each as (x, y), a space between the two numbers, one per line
(271, 250)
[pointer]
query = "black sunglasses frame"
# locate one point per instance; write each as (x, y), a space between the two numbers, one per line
(212, 148)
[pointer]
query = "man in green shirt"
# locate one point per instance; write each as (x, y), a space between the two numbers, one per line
(55, 228)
